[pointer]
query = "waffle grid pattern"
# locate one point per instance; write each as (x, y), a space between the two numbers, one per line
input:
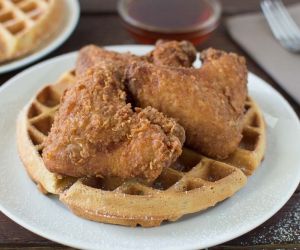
(17, 15)
(172, 195)
(20, 26)
(251, 150)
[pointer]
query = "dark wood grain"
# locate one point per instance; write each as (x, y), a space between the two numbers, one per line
(282, 231)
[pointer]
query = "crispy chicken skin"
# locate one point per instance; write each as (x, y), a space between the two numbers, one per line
(96, 133)
(171, 53)
(208, 102)
(92, 55)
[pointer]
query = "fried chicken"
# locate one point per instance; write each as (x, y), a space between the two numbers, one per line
(208, 102)
(171, 53)
(92, 55)
(96, 133)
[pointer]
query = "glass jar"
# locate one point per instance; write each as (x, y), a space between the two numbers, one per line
(150, 20)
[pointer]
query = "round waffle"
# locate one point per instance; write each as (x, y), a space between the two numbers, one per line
(25, 24)
(193, 183)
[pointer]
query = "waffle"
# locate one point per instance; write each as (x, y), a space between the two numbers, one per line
(251, 150)
(25, 24)
(193, 183)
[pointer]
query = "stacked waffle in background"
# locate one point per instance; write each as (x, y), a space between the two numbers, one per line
(26, 24)
(139, 140)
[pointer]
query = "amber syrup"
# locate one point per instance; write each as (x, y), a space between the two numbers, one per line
(150, 20)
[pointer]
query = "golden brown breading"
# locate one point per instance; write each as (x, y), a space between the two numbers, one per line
(173, 53)
(208, 102)
(96, 133)
(92, 55)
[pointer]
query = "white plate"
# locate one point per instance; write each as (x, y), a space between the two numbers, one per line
(266, 192)
(71, 18)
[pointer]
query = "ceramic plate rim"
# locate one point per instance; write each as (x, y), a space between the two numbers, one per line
(250, 226)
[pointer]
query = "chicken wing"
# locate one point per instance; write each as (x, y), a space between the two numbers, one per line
(208, 102)
(171, 53)
(96, 133)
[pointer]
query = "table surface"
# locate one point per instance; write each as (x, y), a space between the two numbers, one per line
(282, 231)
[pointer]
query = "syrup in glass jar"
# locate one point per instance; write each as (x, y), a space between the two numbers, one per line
(150, 20)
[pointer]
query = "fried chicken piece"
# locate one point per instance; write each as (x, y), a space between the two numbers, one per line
(96, 133)
(92, 55)
(165, 53)
(173, 53)
(208, 102)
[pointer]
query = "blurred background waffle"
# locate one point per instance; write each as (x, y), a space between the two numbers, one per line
(23, 25)
(33, 28)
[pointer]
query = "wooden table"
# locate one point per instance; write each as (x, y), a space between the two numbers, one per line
(104, 28)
